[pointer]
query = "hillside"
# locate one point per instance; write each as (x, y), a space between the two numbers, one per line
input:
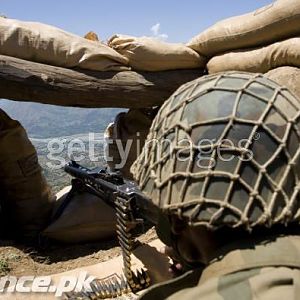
(44, 121)
(52, 164)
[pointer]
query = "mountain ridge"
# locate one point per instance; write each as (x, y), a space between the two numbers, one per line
(46, 121)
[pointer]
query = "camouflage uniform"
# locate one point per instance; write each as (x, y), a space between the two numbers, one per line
(255, 271)
(249, 187)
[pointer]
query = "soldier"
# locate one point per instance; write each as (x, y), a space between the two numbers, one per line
(222, 162)
(126, 137)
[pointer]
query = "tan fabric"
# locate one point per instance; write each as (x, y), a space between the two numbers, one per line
(266, 25)
(288, 77)
(150, 54)
(86, 218)
(25, 196)
(284, 53)
(126, 138)
(47, 44)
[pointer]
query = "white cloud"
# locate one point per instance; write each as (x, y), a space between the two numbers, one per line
(155, 29)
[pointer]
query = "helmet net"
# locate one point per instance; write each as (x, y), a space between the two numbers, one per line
(224, 150)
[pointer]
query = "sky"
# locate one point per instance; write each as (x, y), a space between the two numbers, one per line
(171, 20)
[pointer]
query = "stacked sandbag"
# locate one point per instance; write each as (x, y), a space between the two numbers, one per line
(288, 77)
(86, 218)
(256, 42)
(260, 60)
(264, 26)
(126, 138)
(150, 54)
(25, 198)
(50, 45)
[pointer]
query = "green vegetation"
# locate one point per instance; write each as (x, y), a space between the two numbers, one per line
(4, 267)
(56, 177)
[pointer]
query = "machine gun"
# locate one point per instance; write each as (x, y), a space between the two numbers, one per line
(132, 208)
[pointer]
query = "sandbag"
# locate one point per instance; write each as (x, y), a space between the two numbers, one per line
(126, 138)
(261, 60)
(86, 218)
(150, 54)
(25, 198)
(288, 77)
(266, 25)
(50, 45)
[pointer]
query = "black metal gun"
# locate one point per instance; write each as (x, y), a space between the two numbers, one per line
(110, 186)
(131, 205)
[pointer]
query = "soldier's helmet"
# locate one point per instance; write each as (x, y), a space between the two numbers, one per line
(224, 151)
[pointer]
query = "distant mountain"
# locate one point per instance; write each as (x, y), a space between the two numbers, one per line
(43, 121)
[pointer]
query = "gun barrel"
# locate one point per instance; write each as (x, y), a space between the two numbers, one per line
(127, 190)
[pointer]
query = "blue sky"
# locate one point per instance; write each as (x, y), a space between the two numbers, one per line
(179, 20)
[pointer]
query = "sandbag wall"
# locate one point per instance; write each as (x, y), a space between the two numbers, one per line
(260, 41)
(47, 44)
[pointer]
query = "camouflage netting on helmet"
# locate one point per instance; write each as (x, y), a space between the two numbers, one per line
(224, 150)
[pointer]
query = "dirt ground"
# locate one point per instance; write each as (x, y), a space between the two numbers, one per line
(18, 260)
